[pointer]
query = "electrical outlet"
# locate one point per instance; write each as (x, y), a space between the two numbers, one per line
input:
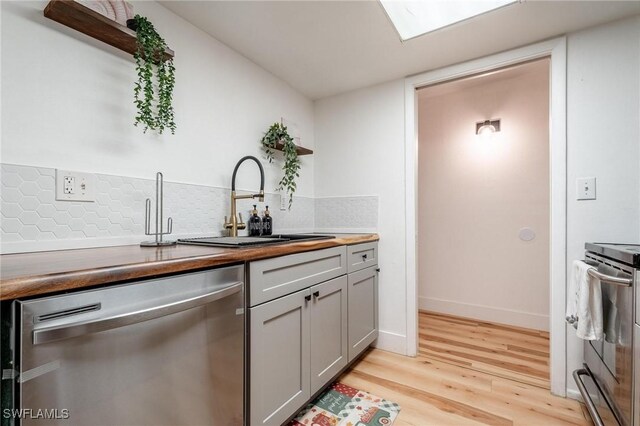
(283, 202)
(69, 185)
(75, 186)
(586, 188)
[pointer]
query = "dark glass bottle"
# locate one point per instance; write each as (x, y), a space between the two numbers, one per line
(267, 223)
(255, 223)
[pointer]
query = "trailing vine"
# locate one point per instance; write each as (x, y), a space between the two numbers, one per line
(154, 114)
(278, 133)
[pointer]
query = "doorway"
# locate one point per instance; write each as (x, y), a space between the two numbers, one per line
(483, 211)
(556, 51)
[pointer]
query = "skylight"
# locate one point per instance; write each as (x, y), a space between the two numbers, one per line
(417, 17)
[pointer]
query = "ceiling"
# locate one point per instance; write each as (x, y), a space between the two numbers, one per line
(532, 67)
(322, 48)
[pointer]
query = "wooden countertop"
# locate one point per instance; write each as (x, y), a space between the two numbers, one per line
(31, 274)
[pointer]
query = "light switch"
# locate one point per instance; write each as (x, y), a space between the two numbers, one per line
(586, 188)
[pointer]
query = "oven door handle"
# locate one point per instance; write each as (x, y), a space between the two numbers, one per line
(53, 334)
(625, 282)
(591, 407)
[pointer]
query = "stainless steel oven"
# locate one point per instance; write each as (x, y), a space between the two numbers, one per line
(607, 380)
(636, 357)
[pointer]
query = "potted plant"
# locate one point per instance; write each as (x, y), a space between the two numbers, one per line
(277, 135)
(155, 113)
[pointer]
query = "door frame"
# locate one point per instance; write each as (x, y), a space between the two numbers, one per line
(556, 50)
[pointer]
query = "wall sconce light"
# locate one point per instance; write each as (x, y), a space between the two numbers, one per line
(487, 127)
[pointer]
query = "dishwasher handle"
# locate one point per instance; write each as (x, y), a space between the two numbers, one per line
(52, 334)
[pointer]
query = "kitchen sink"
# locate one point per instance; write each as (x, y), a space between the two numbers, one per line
(298, 237)
(237, 242)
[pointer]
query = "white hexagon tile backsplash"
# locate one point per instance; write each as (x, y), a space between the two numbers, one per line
(32, 218)
(359, 213)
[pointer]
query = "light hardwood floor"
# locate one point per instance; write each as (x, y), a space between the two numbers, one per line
(514, 353)
(468, 373)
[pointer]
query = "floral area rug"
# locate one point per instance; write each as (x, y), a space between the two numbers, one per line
(342, 405)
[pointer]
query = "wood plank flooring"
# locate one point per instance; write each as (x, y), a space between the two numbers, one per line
(514, 353)
(468, 373)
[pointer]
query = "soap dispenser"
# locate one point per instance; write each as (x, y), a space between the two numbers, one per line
(255, 224)
(267, 223)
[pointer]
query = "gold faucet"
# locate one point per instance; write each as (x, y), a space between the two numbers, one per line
(236, 218)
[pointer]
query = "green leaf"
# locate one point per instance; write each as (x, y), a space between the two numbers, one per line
(278, 133)
(155, 110)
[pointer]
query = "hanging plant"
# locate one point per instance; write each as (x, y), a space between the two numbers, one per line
(153, 113)
(277, 134)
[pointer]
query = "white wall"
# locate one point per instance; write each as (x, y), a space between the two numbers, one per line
(603, 137)
(68, 103)
(361, 152)
(603, 68)
(476, 193)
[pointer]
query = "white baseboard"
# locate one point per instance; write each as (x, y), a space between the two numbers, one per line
(391, 342)
(485, 313)
(574, 394)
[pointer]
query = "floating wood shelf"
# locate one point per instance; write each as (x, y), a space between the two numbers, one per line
(81, 18)
(299, 149)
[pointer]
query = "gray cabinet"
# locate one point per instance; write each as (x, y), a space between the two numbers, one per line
(361, 256)
(307, 321)
(297, 344)
(278, 276)
(329, 350)
(279, 374)
(363, 310)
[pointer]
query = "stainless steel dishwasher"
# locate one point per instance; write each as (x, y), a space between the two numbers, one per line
(165, 351)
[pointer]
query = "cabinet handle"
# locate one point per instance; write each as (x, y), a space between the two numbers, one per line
(316, 294)
(307, 298)
(364, 256)
(377, 269)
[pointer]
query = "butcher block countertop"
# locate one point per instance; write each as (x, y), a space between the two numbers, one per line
(31, 274)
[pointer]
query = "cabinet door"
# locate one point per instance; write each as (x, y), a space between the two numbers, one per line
(363, 310)
(329, 347)
(279, 375)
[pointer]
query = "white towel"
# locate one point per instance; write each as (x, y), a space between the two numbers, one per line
(578, 274)
(584, 303)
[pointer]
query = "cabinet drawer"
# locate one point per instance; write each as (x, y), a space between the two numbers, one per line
(361, 256)
(272, 278)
